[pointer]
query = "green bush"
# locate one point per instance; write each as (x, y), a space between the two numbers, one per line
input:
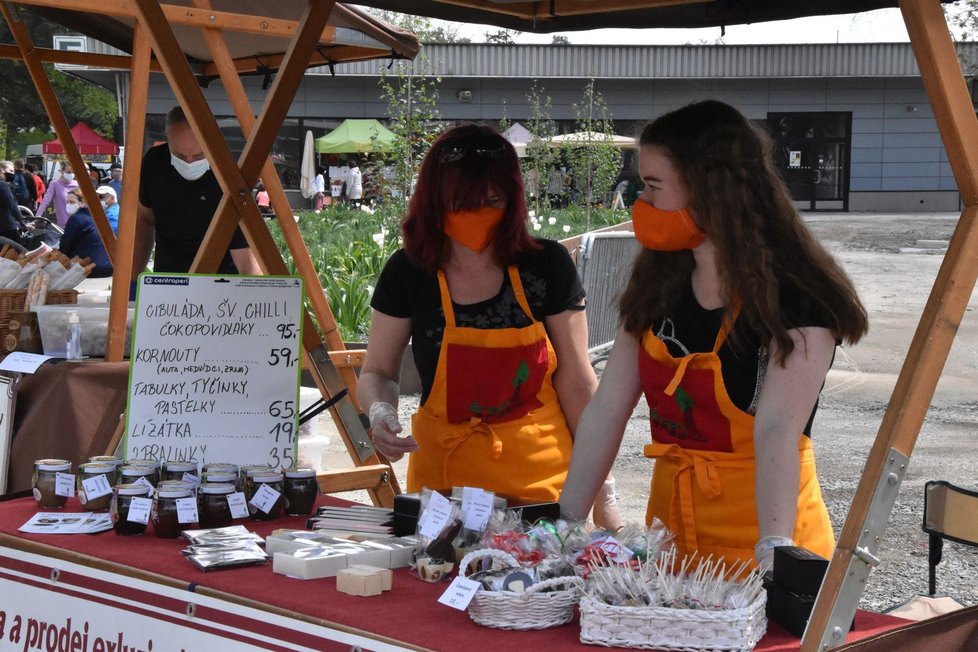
(349, 247)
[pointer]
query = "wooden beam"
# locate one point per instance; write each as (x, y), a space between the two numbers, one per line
(69, 57)
(363, 477)
(542, 10)
(129, 201)
(60, 123)
(331, 54)
(921, 371)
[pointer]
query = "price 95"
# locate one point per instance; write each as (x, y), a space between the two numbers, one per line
(286, 331)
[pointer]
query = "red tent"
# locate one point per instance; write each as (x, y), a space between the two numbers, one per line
(89, 143)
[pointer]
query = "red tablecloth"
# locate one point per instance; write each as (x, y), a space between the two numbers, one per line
(408, 613)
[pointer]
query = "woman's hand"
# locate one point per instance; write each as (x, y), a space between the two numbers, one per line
(385, 428)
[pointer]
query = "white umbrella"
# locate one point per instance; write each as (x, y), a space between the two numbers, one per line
(307, 170)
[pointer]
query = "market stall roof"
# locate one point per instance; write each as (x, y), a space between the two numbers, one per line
(579, 138)
(257, 32)
(355, 136)
(571, 15)
(89, 143)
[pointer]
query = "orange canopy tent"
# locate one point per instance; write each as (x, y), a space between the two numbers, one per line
(89, 143)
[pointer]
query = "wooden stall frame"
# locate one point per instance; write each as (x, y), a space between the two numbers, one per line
(153, 32)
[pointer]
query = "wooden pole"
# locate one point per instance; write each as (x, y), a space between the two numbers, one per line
(949, 97)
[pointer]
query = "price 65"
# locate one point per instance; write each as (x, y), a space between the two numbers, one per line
(284, 356)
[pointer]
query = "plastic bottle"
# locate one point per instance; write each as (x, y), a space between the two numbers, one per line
(74, 337)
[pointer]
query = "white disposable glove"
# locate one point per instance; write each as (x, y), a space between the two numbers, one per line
(385, 428)
(764, 550)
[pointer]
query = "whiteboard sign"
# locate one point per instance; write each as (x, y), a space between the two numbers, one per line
(214, 373)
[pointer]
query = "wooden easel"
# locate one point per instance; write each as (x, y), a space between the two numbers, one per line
(153, 33)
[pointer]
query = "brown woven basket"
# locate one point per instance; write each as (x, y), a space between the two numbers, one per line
(13, 301)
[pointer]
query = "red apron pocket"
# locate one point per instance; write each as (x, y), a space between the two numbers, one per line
(494, 384)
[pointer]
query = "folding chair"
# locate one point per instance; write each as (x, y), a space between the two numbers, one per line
(950, 512)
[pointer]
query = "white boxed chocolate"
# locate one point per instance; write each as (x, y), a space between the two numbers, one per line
(291, 540)
(310, 563)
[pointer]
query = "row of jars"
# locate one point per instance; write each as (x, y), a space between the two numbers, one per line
(226, 491)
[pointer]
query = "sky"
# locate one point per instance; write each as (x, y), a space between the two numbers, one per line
(880, 26)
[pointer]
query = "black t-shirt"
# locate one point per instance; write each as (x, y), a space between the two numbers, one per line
(405, 290)
(182, 210)
(693, 329)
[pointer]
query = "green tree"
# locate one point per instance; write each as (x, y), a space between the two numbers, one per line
(560, 39)
(540, 157)
(20, 106)
(595, 164)
(427, 29)
(501, 37)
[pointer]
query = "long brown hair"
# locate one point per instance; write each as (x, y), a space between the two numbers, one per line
(762, 245)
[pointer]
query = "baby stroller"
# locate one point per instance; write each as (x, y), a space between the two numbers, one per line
(36, 230)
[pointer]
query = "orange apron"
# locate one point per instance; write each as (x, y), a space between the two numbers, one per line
(492, 418)
(703, 483)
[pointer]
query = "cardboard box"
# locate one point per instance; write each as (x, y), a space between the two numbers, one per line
(360, 580)
(310, 563)
(292, 540)
(386, 574)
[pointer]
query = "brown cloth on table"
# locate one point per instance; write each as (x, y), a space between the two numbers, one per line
(953, 632)
(65, 410)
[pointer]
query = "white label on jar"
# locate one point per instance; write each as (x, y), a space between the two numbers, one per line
(191, 478)
(187, 510)
(146, 483)
(64, 485)
(139, 510)
(264, 499)
(477, 507)
(96, 487)
(237, 504)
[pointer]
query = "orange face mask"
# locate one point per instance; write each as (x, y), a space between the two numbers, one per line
(473, 228)
(664, 230)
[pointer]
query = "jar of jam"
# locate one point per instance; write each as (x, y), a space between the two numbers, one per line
(301, 490)
(212, 504)
(273, 481)
(219, 467)
(245, 471)
(177, 469)
(155, 465)
(219, 477)
(176, 484)
(131, 473)
(90, 470)
(165, 517)
(44, 483)
(114, 460)
(122, 499)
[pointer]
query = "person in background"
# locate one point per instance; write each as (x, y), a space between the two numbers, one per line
(38, 182)
(95, 175)
(498, 331)
(319, 187)
(178, 197)
(729, 325)
(354, 184)
(81, 237)
(25, 190)
(57, 192)
(115, 179)
(110, 202)
(262, 199)
(9, 209)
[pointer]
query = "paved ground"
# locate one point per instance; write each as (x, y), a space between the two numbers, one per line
(894, 276)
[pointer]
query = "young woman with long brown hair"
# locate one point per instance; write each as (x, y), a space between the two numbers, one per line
(729, 326)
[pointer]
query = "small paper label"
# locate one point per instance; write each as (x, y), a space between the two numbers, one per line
(186, 510)
(264, 499)
(64, 485)
(139, 510)
(238, 505)
(476, 508)
(96, 487)
(146, 483)
(436, 516)
(615, 550)
(459, 593)
(191, 478)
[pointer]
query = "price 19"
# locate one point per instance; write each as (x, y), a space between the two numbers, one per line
(283, 428)
(283, 356)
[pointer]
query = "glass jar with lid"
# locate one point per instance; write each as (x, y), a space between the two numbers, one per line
(131, 473)
(219, 476)
(246, 471)
(301, 490)
(123, 496)
(96, 502)
(44, 483)
(155, 465)
(272, 509)
(212, 504)
(166, 516)
(177, 469)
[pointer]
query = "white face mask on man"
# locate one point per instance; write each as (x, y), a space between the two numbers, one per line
(190, 171)
(72, 208)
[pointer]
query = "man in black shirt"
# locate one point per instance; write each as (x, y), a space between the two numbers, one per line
(9, 212)
(178, 197)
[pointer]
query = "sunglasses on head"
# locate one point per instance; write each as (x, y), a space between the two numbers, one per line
(458, 152)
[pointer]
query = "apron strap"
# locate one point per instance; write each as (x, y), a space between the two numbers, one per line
(725, 327)
(517, 283)
(446, 300)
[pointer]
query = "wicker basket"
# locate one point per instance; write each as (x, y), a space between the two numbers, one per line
(13, 301)
(661, 628)
(536, 608)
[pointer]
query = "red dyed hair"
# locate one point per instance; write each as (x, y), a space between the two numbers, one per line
(463, 167)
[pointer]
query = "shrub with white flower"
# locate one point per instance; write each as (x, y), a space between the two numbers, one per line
(566, 228)
(551, 221)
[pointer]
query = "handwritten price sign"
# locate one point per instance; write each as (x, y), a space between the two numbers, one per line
(215, 369)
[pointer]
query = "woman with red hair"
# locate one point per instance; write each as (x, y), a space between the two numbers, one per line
(498, 331)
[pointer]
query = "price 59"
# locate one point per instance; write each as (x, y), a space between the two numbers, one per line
(284, 356)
